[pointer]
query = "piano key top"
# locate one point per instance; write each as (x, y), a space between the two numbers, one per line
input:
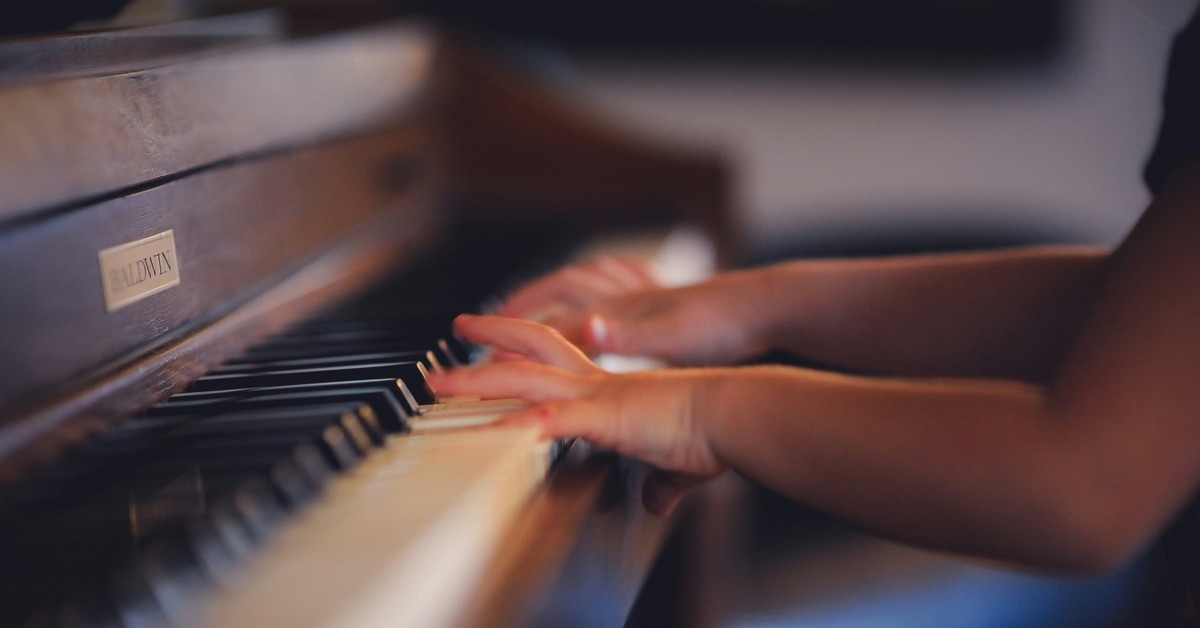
(409, 371)
(463, 414)
(326, 359)
(395, 389)
(382, 401)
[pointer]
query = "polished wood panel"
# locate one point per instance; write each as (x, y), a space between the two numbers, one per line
(582, 548)
(237, 228)
(68, 140)
(262, 244)
(530, 150)
(93, 53)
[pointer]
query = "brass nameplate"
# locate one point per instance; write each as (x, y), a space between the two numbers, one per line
(133, 271)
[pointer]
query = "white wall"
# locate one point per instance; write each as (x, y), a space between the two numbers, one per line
(827, 148)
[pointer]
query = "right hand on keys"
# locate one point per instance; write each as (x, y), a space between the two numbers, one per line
(649, 416)
(615, 306)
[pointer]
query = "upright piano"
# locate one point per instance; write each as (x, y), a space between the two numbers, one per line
(229, 256)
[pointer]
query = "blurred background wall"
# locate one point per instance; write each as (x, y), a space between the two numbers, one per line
(840, 152)
(923, 125)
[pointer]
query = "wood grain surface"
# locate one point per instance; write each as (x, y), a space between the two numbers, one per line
(65, 141)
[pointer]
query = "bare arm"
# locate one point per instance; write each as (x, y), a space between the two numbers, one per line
(1078, 474)
(1075, 475)
(1008, 313)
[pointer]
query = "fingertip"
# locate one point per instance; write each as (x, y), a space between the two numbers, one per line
(598, 332)
(473, 327)
(461, 319)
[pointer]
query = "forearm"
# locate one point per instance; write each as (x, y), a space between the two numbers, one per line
(975, 467)
(1007, 313)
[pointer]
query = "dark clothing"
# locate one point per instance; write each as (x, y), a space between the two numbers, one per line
(1179, 143)
(1179, 134)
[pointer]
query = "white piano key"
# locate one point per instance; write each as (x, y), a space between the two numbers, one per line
(463, 414)
(400, 541)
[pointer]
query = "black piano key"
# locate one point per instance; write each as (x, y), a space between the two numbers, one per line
(414, 374)
(296, 479)
(336, 445)
(216, 558)
(220, 456)
(328, 359)
(449, 356)
(295, 486)
(342, 438)
(88, 609)
(165, 485)
(395, 389)
(232, 530)
(222, 450)
(384, 402)
(152, 588)
(241, 421)
(357, 421)
(254, 468)
(291, 484)
(134, 600)
(173, 574)
(259, 507)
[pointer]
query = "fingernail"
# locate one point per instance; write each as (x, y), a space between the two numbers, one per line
(598, 330)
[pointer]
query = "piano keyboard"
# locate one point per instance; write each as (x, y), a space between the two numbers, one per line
(329, 427)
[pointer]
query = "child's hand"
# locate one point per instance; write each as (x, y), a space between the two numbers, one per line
(579, 287)
(648, 416)
(613, 306)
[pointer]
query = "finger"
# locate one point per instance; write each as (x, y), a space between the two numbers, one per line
(521, 379)
(506, 356)
(631, 275)
(540, 343)
(572, 286)
(602, 334)
(598, 336)
(567, 418)
(663, 490)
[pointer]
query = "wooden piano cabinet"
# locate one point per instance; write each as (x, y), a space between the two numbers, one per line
(239, 230)
(580, 552)
(515, 144)
(294, 173)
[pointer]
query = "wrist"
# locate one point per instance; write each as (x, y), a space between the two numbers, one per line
(710, 409)
(756, 299)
